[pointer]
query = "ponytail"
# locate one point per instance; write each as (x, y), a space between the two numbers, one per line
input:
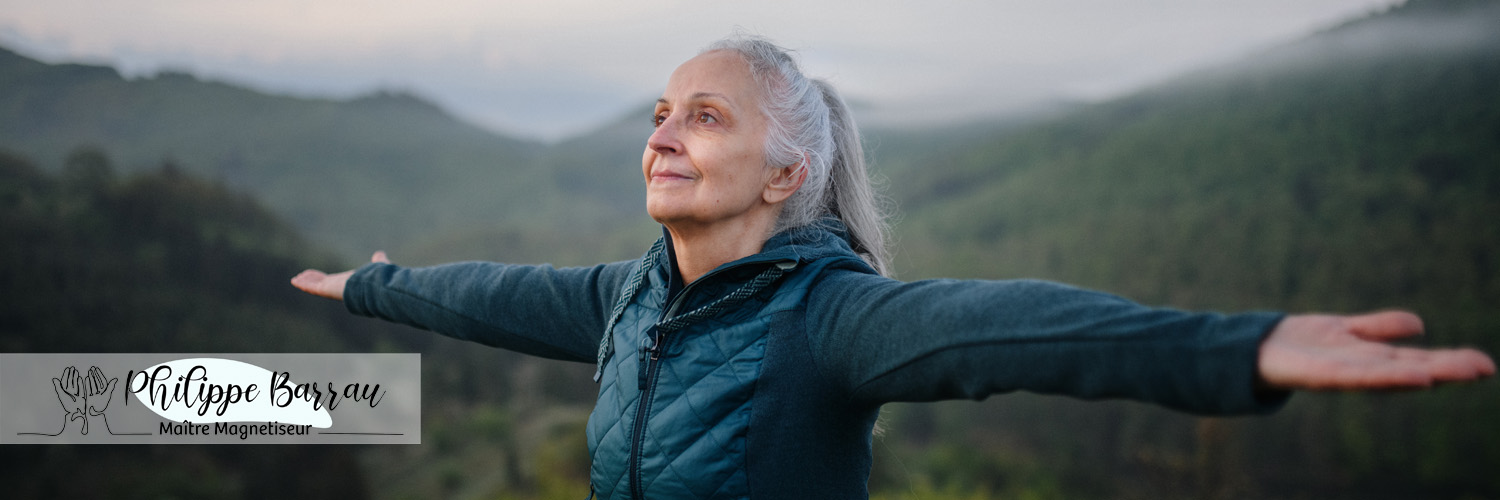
(852, 198)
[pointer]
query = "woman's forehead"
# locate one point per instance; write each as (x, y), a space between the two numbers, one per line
(720, 72)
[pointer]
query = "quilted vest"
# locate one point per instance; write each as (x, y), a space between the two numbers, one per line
(677, 380)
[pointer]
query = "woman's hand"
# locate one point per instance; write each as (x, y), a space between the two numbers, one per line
(1327, 352)
(331, 286)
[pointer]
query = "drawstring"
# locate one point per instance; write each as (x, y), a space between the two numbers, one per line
(607, 344)
(744, 292)
(734, 298)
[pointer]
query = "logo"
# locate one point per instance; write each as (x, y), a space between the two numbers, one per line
(82, 397)
(224, 398)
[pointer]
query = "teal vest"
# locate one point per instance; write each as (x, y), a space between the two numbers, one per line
(677, 380)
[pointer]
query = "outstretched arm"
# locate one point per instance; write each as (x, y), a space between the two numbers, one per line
(884, 340)
(327, 285)
(1329, 352)
(538, 310)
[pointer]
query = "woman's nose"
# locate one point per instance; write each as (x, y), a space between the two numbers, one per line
(664, 140)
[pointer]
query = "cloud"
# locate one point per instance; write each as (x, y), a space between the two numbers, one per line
(548, 68)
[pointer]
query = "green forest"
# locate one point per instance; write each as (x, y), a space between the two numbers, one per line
(1353, 170)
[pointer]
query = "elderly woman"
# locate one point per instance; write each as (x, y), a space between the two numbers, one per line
(748, 352)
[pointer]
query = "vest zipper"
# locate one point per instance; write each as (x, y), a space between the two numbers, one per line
(650, 360)
(642, 408)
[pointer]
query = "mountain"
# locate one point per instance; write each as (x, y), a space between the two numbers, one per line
(1355, 169)
(1369, 122)
(91, 261)
(159, 260)
(597, 214)
(371, 172)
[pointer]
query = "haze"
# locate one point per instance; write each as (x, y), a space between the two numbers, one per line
(548, 69)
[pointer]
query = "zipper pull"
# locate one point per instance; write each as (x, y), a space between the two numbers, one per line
(649, 346)
(649, 353)
(656, 344)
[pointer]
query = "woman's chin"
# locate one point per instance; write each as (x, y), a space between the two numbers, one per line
(665, 213)
(679, 215)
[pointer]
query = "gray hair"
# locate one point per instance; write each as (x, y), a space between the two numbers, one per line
(810, 124)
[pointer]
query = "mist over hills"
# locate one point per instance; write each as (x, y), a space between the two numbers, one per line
(367, 172)
(1396, 113)
(1356, 169)
(392, 171)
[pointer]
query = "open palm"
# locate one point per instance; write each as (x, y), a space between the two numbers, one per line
(1328, 352)
(327, 285)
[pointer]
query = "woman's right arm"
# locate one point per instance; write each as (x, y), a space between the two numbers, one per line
(537, 310)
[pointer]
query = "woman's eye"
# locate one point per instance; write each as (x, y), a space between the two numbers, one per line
(706, 118)
(657, 119)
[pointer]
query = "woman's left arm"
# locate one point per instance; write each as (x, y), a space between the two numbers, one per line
(885, 340)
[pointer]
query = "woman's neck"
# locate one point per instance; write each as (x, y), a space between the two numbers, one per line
(700, 249)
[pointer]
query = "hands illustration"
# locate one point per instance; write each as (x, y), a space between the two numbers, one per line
(82, 396)
(70, 393)
(100, 391)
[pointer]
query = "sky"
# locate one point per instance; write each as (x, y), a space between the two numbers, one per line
(553, 68)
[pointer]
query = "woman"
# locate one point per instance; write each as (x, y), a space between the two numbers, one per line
(748, 352)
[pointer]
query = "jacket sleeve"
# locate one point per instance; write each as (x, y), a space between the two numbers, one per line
(537, 310)
(884, 340)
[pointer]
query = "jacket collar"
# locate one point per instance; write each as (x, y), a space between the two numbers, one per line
(822, 239)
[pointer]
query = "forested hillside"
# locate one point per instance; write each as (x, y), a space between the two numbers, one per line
(1358, 169)
(368, 172)
(95, 261)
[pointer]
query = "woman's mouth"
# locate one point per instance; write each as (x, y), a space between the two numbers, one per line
(666, 176)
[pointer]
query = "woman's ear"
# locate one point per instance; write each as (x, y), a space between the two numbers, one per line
(784, 181)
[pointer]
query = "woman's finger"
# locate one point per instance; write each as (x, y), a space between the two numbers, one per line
(1387, 325)
(380, 257)
(1457, 365)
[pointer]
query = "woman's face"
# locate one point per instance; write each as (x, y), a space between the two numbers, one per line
(705, 162)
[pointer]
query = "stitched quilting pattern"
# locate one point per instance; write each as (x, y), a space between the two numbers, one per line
(694, 437)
